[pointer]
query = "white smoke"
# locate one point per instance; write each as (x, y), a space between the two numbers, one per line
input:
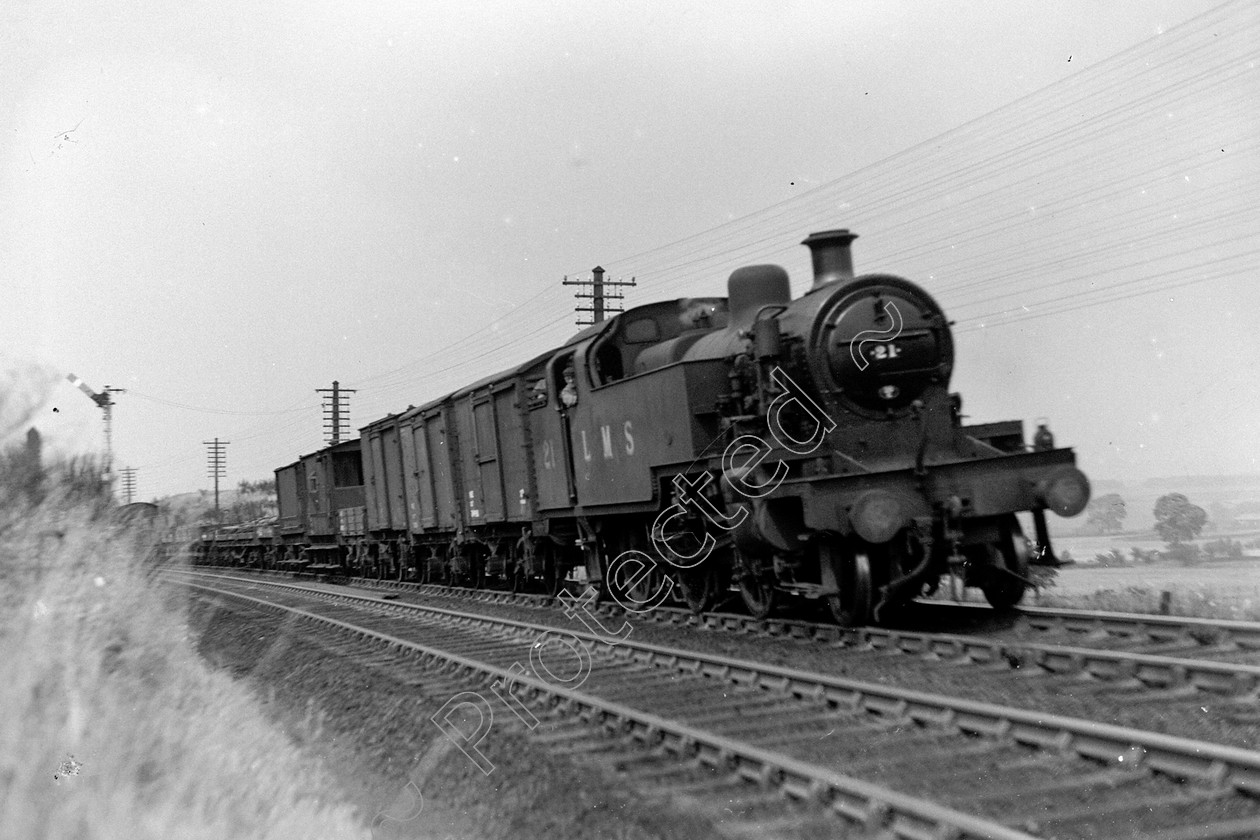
(25, 388)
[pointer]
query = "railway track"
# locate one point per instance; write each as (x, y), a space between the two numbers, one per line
(1089, 628)
(811, 735)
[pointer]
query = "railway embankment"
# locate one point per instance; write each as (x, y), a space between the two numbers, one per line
(113, 725)
(375, 723)
(757, 723)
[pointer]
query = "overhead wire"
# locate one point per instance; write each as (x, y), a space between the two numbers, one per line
(952, 169)
(1131, 63)
(1242, 270)
(978, 292)
(1145, 277)
(989, 123)
(954, 187)
(207, 410)
(1135, 65)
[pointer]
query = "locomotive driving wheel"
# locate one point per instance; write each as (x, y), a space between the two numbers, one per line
(1006, 572)
(849, 572)
(635, 586)
(631, 577)
(701, 586)
(756, 584)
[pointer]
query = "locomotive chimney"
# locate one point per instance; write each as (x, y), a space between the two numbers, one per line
(832, 259)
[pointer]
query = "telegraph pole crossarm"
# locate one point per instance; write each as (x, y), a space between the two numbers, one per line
(599, 295)
(129, 484)
(217, 467)
(335, 415)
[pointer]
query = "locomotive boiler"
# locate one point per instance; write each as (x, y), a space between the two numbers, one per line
(877, 488)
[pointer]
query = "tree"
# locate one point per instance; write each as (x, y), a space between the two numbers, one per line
(1221, 516)
(1107, 512)
(264, 486)
(1176, 520)
(254, 500)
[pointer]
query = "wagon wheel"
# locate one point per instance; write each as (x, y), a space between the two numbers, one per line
(850, 572)
(650, 584)
(756, 584)
(639, 591)
(404, 560)
(701, 587)
(596, 564)
(457, 569)
(451, 565)
(520, 554)
(446, 572)
(553, 576)
(1005, 578)
(466, 572)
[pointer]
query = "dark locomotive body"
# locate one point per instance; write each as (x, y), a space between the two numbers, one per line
(808, 447)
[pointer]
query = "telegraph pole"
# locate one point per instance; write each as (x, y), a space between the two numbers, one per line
(335, 415)
(218, 467)
(599, 296)
(129, 484)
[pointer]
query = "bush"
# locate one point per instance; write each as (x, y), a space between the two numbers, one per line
(1223, 549)
(1045, 577)
(113, 725)
(1187, 554)
(1115, 557)
(1140, 556)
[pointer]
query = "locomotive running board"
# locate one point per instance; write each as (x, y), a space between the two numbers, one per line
(986, 487)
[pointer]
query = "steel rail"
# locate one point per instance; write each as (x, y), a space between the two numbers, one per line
(1245, 634)
(1217, 765)
(859, 801)
(1242, 633)
(1153, 670)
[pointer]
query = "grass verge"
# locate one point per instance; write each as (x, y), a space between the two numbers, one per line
(113, 726)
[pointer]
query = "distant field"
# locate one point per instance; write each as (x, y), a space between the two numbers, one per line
(1084, 549)
(1225, 589)
(1228, 589)
(1238, 579)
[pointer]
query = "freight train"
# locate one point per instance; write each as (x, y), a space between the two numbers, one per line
(792, 449)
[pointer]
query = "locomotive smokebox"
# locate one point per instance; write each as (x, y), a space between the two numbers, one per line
(832, 258)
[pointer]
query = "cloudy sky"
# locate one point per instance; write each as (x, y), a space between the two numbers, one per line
(223, 211)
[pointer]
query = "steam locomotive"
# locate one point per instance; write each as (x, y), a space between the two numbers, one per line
(804, 449)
